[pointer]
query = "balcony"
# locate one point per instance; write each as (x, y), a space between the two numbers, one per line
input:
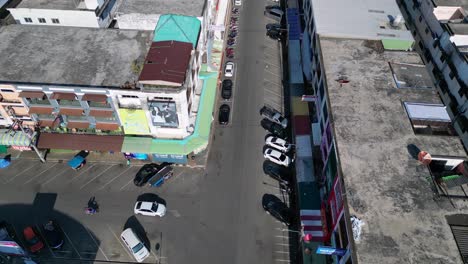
(68, 102)
(77, 118)
(99, 104)
(38, 101)
(105, 119)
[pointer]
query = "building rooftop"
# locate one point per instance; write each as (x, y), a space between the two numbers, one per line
(385, 186)
(462, 3)
(149, 7)
(166, 63)
(362, 19)
(48, 4)
(178, 28)
(70, 55)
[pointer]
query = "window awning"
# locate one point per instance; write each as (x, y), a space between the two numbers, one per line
(27, 94)
(101, 113)
(107, 126)
(14, 138)
(94, 97)
(76, 124)
(40, 110)
(64, 96)
(80, 142)
(71, 111)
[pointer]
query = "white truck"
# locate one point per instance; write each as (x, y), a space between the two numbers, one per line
(273, 115)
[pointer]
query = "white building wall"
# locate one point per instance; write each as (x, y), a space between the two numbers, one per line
(70, 18)
(181, 105)
(137, 21)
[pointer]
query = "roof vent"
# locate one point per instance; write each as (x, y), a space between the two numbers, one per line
(395, 21)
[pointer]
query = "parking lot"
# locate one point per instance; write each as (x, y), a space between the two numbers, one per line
(91, 237)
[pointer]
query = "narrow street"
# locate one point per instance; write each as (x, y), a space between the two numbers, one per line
(214, 215)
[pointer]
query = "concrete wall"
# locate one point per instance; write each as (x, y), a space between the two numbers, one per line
(70, 18)
(179, 97)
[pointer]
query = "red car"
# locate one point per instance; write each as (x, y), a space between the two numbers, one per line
(33, 241)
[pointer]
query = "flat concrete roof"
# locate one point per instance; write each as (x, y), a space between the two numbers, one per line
(462, 3)
(385, 186)
(361, 19)
(48, 4)
(149, 7)
(458, 29)
(70, 55)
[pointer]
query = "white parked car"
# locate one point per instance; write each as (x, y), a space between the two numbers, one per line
(229, 70)
(278, 143)
(134, 244)
(277, 157)
(149, 208)
(238, 2)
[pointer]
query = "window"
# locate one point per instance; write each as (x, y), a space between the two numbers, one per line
(55, 21)
(451, 75)
(27, 20)
(41, 20)
(6, 91)
(459, 229)
(325, 112)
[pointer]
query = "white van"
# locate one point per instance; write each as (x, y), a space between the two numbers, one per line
(274, 14)
(134, 244)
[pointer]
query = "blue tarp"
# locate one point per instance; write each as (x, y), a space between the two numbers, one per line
(306, 56)
(295, 65)
(294, 25)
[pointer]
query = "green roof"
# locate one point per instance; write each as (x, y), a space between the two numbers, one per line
(178, 28)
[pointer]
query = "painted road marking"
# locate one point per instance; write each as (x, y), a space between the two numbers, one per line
(100, 249)
(45, 240)
(96, 177)
(123, 187)
(40, 174)
(71, 243)
(51, 179)
(12, 178)
(107, 183)
(276, 84)
(282, 260)
(120, 242)
(79, 174)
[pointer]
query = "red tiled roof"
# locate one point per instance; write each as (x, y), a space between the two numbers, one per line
(40, 110)
(166, 61)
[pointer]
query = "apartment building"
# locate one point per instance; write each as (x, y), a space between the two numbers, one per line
(373, 106)
(84, 85)
(70, 13)
(441, 34)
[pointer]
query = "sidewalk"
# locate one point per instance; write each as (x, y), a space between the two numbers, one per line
(199, 160)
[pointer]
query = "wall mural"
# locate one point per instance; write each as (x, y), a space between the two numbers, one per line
(163, 113)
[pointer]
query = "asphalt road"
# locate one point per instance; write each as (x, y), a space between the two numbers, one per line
(214, 215)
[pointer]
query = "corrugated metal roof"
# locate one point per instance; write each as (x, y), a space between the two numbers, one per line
(166, 61)
(179, 28)
(80, 142)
